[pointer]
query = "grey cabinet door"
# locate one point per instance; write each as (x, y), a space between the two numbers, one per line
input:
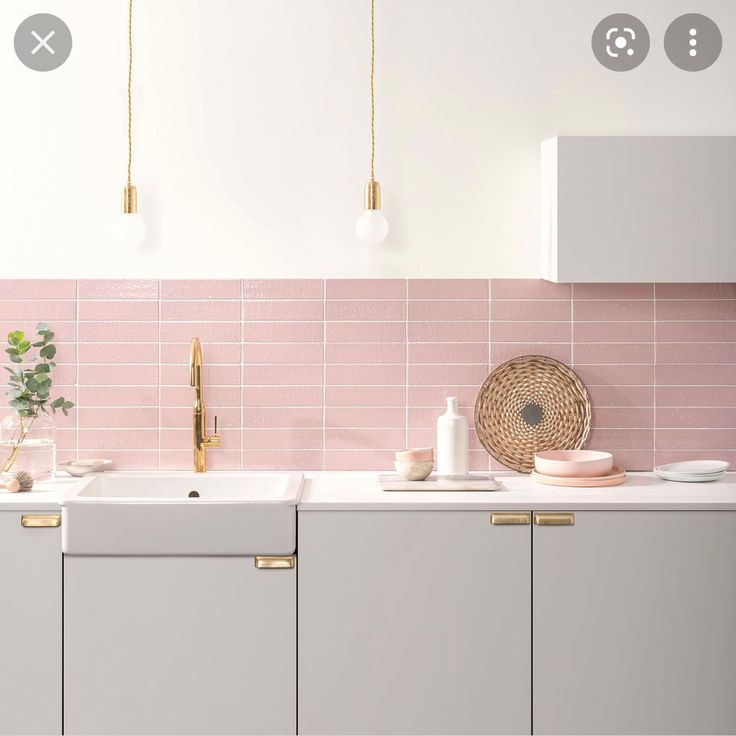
(413, 622)
(30, 626)
(635, 624)
(178, 645)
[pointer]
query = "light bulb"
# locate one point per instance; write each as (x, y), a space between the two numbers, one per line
(129, 230)
(371, 227)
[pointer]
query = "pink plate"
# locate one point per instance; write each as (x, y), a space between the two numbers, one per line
(616, 477)
(573, 463)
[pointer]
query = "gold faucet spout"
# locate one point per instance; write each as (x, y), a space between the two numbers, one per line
(200, 440)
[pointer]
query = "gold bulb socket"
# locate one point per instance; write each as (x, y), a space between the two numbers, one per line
(130, 200)
(372, 195)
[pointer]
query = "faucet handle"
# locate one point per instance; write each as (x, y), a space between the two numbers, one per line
(214, 439)
(215, 424)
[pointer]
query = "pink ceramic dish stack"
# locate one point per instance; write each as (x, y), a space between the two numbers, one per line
(577, 469)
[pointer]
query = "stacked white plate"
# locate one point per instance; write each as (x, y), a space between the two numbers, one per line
(692, 471)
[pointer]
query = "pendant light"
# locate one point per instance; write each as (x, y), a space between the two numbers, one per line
(130, 230)
(371, 227)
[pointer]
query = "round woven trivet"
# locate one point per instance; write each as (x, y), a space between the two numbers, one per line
(529, 404)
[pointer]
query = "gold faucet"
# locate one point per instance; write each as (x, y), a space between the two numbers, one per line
(201, 439)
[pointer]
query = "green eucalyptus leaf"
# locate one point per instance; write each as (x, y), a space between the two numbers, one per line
(44, 368)
(41, 327)
(48, 352)
(11, 351)
(14, 393)
(16, 358)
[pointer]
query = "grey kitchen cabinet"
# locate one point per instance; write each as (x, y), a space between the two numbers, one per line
(414, 622)
(635, 623)
(30, 621)
(639, 209)
(178, 645)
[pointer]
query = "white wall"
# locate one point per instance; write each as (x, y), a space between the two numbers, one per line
(252, 131)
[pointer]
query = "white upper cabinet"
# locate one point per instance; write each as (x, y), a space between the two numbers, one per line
(639, 209)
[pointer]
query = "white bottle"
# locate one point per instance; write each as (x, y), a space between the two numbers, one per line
(452, 441)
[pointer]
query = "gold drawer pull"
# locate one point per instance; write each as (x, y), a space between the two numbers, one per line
(554, 519)
(270, 562)
(506, 519)
(34, 521)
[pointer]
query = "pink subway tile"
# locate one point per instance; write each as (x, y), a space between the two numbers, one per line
(118, 375)
(528, 289)
(627, 417)
(214, 352)
(273, 311)
(207, 332)
(448, 310)
(201, 289)
(613, 311)
(38, 288)
(290, 352)
(447, 375)
(359, 460)
(696, 375)
(365, 311)
(364, 438)
(696, 291)
(181, 439)
(366, 352)
(712, 310)
(436, 396)
(503, 351)
(613, 291)
(448, 289)
(35, 310)
(118, 439)
(118, 289)
(118, 418)
(365, 331)
(703, 352)
(696, 396)
(129, 311)
(282, 459)
(621, 396)
(134, 332)
(700, 418)
(427, 437)
(216, 396)
(448, 331)
(674, 456)
(283, 331)
(117, 352)
(282, 375)
(212, 375)
(614, 353)
(696, 331)
(66, 440)
(109, 396)
(426, 418)
(282, 417)
(204, 311)
(282, 439)
(617, 375)
(282, 396)
(283, 289)
(365, 375)
(448, 353)
(64, 332)
(224, 459)
(695, 439)
(365, 396)
(376, 289)
(529, 332)
(621, 439)
(129, 459)
(517, 310)
(180, 417)
(364, 416)
(619, 332)
(633, 460)
(176, 459)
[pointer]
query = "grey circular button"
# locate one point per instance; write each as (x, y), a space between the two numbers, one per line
(43, 42)
(693, 42)
(620, 42)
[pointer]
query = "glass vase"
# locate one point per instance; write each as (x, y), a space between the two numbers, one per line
(28, 443)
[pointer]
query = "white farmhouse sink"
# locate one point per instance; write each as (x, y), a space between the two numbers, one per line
(239, 513)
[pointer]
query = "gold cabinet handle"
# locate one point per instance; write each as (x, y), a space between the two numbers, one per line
(37, 521)
(271, 562)
(523, 518)
(554, 519)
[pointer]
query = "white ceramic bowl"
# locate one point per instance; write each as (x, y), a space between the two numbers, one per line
(573, 463)
(414, 470)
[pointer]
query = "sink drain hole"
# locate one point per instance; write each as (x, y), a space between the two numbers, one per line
(193, 494)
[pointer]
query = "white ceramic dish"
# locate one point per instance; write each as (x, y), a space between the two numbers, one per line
(689, 477)
(694, 467)
(616, 477)
(573, 463)
(78, 468)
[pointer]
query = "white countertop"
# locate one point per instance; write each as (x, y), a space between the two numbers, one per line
(353, 491)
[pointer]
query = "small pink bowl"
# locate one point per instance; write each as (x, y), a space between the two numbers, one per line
(419, 455)
(573, 463)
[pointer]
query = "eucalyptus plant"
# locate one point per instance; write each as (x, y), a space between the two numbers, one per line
(30, 382)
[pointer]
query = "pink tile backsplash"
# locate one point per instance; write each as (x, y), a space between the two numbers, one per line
(337, 374)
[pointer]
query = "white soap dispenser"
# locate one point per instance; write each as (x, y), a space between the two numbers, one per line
(452, 441)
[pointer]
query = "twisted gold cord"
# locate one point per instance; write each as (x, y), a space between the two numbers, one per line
(130, 79)
(373, 106)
